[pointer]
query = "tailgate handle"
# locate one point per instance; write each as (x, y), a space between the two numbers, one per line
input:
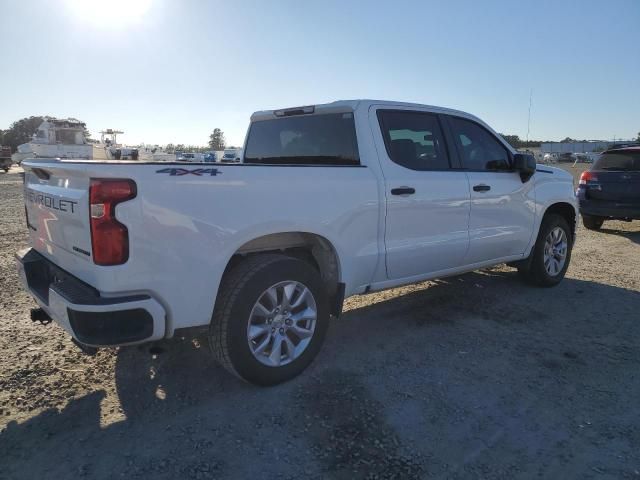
(41, 174)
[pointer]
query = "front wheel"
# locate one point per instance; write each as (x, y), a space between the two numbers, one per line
(270, 319)
(551, 254)
(592, 223)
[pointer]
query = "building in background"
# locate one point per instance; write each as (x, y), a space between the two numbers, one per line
(581, 147)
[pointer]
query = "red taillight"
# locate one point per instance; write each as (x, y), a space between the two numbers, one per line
(109, 238)
(588, 177)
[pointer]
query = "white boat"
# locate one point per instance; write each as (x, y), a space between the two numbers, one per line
(64, 138)
(109, 149)
(56, 138)
(156, 153)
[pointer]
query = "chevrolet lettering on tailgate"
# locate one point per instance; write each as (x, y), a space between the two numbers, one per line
(51, 202)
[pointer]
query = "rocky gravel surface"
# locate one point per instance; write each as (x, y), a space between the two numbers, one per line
(477, 376)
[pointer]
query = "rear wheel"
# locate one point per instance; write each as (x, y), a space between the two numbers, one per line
(270, 320)
(551, 254)
(592, 223)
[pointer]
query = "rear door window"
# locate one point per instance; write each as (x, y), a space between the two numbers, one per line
(620, 161)
(478, 148)
(322, 139)
(414, 139)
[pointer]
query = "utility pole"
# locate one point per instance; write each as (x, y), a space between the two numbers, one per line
(529, 118)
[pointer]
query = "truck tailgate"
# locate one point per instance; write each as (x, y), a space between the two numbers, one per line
(617, 186)
(57, 208)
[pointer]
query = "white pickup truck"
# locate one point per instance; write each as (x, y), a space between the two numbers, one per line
(330, 201)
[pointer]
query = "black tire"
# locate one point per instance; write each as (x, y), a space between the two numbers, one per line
(239, 291)
(591, 222)
(533, 271)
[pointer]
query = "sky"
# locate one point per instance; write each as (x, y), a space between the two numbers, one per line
(170, 71)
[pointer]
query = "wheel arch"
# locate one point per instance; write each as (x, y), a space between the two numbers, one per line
(567, 211)
(310, 247)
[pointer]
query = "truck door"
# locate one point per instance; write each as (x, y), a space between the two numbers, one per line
(427, 202)
(502, 206)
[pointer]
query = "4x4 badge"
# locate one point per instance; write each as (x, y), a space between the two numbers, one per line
(178, 172)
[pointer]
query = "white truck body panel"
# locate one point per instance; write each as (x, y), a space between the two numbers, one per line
(185, 226)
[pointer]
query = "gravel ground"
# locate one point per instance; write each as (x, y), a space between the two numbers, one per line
(477, 376)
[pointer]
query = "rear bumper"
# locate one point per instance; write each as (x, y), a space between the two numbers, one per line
(89, 316)
(610, 209)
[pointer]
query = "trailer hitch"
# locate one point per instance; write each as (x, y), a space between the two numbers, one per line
(39, 315)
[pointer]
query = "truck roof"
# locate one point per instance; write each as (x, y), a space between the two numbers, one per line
(351, 105)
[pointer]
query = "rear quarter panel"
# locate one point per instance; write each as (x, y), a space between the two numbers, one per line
(183, 229)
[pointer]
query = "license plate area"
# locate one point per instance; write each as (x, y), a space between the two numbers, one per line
(41, 275)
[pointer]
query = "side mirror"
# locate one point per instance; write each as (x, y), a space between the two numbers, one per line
(525, 164)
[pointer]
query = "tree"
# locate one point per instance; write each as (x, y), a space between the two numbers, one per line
(516, 142)
(170, 148)
(216, 140)
(567, 140)
(638, 139)
(21, 131)
(513, 140)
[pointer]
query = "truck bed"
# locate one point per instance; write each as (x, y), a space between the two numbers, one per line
(187, 220)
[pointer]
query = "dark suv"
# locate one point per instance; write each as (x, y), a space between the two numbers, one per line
(611, 189)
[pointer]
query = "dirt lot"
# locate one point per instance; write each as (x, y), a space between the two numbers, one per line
(476, 376)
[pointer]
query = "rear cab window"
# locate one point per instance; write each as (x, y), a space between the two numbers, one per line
(318, 139)
(627, 161)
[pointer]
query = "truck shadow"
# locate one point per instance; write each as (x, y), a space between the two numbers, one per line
(634, 236)
(184, 416)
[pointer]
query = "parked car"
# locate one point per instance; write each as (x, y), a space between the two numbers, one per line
(5, 158)
(550, 158)
(232, 155)
(582, 158)
(567, 157)
(610, 190)
(210, 157)
(592, 156)
(186, 157)
(333, 200)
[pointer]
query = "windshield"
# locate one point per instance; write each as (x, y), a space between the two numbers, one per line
(229, 155)
(623, 161)
(325, 139)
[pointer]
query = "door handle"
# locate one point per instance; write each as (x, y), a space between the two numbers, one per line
(481, 188)
(403, 191)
